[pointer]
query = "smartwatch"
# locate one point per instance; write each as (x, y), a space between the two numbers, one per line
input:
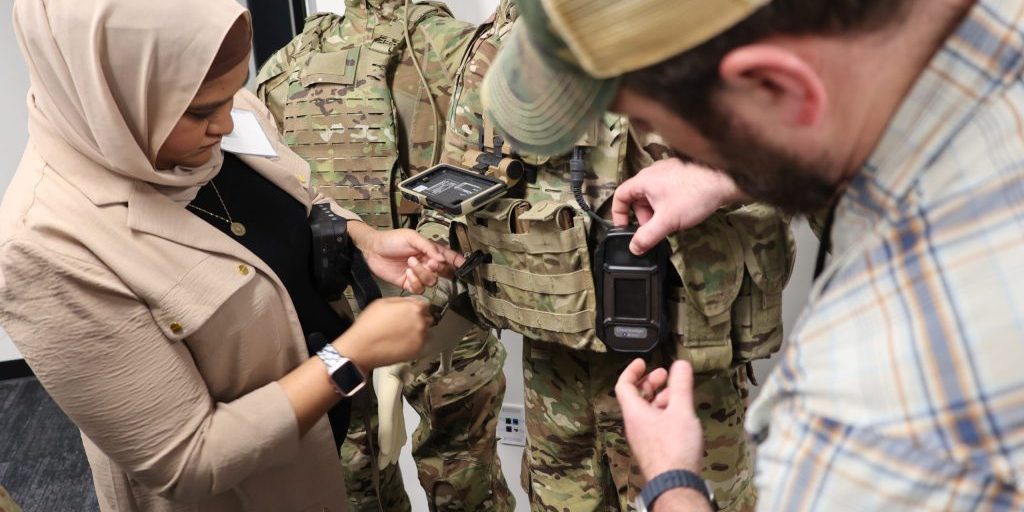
(345, 375)
(671, 480)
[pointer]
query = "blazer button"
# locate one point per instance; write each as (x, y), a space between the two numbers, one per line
(243, 269)
(176, 328)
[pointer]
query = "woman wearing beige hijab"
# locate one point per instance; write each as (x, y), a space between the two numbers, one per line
(170, 317)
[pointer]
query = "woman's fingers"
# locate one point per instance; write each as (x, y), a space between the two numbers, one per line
(412, 284)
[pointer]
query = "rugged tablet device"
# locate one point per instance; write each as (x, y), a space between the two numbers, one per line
(631, 315)
(452, 190)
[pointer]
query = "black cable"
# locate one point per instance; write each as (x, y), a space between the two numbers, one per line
(826, 243)
(577, 175)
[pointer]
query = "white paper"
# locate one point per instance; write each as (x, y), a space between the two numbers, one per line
(248, 137)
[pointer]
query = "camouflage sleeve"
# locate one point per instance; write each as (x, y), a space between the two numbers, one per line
(449, 42)
(435, 226)
(643, 150)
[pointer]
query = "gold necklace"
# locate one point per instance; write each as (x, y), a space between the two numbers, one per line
(236, 227)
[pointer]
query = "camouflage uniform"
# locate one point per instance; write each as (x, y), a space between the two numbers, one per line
(349, 99)
(725, 306)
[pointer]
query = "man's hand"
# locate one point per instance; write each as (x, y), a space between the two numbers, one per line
(670, 196)
(402, 257)
(661, 426)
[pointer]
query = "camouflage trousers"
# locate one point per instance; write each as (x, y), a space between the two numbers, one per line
(577, 457)
(455, 445)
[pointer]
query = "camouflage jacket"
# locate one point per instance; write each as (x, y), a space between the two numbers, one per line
(349, 98)
(725, 298)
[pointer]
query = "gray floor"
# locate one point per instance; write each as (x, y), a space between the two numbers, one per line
(44, 468)
(42, 463)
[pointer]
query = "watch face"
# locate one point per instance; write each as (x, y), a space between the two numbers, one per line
(348, 378)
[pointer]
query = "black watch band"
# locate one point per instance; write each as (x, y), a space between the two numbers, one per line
(671, 480)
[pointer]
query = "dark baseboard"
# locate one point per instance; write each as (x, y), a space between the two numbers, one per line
(14, 369)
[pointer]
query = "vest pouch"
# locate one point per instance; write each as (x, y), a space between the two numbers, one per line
(499, 216)
(539, 280)
(345, 128)
(768, 258)
(338, 68)
(709, 262)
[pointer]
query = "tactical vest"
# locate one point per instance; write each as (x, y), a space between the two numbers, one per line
(350, 101)
(725, 304)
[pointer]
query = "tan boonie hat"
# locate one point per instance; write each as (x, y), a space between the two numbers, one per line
(560, 70)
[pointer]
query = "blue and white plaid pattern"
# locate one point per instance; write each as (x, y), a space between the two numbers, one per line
(902, 386)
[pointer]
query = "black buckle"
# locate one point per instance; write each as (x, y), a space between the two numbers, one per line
(491, 286)
(474, 260)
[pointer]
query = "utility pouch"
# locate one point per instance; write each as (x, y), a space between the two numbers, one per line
(536, 278)
(708, 259)
(768, 255)
(733, 268)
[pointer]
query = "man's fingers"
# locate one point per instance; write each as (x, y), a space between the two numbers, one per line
(634, 372)
(653, 382)
(680, 387)
(648, 235)
(661, 401)
(643, 212)
(625, 196)
(626, 388)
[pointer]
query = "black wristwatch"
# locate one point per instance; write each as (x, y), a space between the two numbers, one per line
(345, 375)
(671, 480)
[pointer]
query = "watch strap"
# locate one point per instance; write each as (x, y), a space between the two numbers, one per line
(671, 480)
(337, 364)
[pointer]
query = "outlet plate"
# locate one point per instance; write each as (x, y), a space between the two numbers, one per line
(512, 425)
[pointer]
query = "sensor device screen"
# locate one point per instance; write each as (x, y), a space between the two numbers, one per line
(452, 190)
(630, 298)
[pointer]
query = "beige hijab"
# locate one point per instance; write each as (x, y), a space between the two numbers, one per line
(111, 78)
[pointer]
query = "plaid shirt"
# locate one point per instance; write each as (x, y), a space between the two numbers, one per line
(902, 387)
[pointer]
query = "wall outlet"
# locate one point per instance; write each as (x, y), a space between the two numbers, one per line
(512, 425)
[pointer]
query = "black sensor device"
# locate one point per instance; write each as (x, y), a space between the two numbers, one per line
(332, 252)
(631, 315)
(452, 190)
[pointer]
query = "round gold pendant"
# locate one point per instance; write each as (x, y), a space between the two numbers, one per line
(238, 228)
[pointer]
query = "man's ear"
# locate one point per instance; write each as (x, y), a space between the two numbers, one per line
(773, 77)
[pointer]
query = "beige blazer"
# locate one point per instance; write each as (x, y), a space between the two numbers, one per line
(162, 339)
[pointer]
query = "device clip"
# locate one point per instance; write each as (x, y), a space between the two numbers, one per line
(474, 260)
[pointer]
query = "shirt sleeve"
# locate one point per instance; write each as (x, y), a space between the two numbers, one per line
(809, 462)
(134, 393)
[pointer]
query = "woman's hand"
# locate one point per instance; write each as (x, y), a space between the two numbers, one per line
(389, 331)
(402, 257)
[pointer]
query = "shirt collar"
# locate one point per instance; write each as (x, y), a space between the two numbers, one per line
(983, 55)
